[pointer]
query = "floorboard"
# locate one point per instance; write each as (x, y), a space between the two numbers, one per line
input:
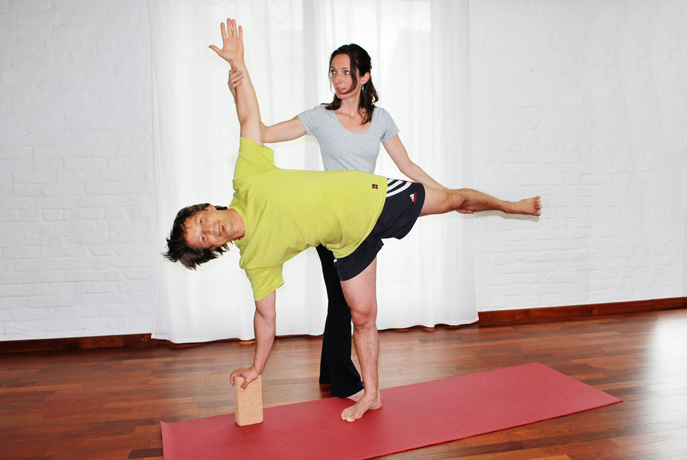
(107, 403)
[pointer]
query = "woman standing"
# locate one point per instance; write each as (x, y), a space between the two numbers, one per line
(349, 131)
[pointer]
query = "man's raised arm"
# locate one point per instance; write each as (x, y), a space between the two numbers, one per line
(247, 106)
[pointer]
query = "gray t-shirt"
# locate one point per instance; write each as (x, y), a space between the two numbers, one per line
(343, 149)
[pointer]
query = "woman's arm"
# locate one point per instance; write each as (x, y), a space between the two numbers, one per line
(284, 131)
(281, 132)
(399, 155)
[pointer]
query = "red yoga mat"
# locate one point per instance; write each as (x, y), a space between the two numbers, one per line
(412, 416)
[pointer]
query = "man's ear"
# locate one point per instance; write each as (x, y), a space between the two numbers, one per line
(211, 208)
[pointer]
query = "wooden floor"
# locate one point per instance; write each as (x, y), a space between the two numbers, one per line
(107, 404)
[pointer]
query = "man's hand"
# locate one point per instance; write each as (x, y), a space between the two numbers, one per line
(248, 373)
(232, 42)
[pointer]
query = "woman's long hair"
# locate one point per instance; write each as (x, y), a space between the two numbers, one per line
(360, 65)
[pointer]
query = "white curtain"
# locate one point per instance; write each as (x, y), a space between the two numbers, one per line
(420, 53)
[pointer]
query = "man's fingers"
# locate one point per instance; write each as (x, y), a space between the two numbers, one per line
(233, 28)
(224, 31)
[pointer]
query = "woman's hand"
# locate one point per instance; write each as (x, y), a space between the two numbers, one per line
(232, 42)
(235, 79)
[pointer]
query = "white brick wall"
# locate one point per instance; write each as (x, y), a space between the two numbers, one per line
(77, 210)
(585, 103)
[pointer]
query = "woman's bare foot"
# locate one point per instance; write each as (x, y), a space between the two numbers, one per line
(365, 403)
(356, 396)
(527, 207)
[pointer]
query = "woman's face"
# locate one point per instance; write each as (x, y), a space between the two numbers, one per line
(342, 81)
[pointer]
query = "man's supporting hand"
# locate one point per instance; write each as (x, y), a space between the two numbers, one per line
(248, 373)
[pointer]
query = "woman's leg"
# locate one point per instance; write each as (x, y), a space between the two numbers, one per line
(336, 365)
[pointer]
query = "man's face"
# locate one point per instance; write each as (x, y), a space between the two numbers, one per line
(208, 229)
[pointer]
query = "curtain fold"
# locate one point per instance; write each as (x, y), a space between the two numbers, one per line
(421, 69)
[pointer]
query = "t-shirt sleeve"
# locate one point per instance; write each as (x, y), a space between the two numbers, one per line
(265, 280)
(390, 128)
(310, 118)
(253, 159)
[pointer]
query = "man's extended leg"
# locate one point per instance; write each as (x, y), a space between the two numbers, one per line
(336, 366)
(361, 294)
(440, 201)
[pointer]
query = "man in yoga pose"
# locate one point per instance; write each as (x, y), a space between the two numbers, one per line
(276, 214)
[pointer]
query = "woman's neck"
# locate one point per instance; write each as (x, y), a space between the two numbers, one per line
(349, 106)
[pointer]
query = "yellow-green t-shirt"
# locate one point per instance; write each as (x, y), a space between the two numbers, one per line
(287, 211)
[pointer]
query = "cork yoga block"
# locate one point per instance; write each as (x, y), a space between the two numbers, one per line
(248, 402)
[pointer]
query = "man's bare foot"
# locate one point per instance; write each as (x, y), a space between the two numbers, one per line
(356, 396)
(365, 403)
(527, 207)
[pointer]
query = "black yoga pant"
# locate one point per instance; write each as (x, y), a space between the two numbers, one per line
(336, 365)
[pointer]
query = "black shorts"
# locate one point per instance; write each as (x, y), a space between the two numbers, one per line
(402, 207)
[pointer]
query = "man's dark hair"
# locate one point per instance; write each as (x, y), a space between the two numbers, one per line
(178, 251)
